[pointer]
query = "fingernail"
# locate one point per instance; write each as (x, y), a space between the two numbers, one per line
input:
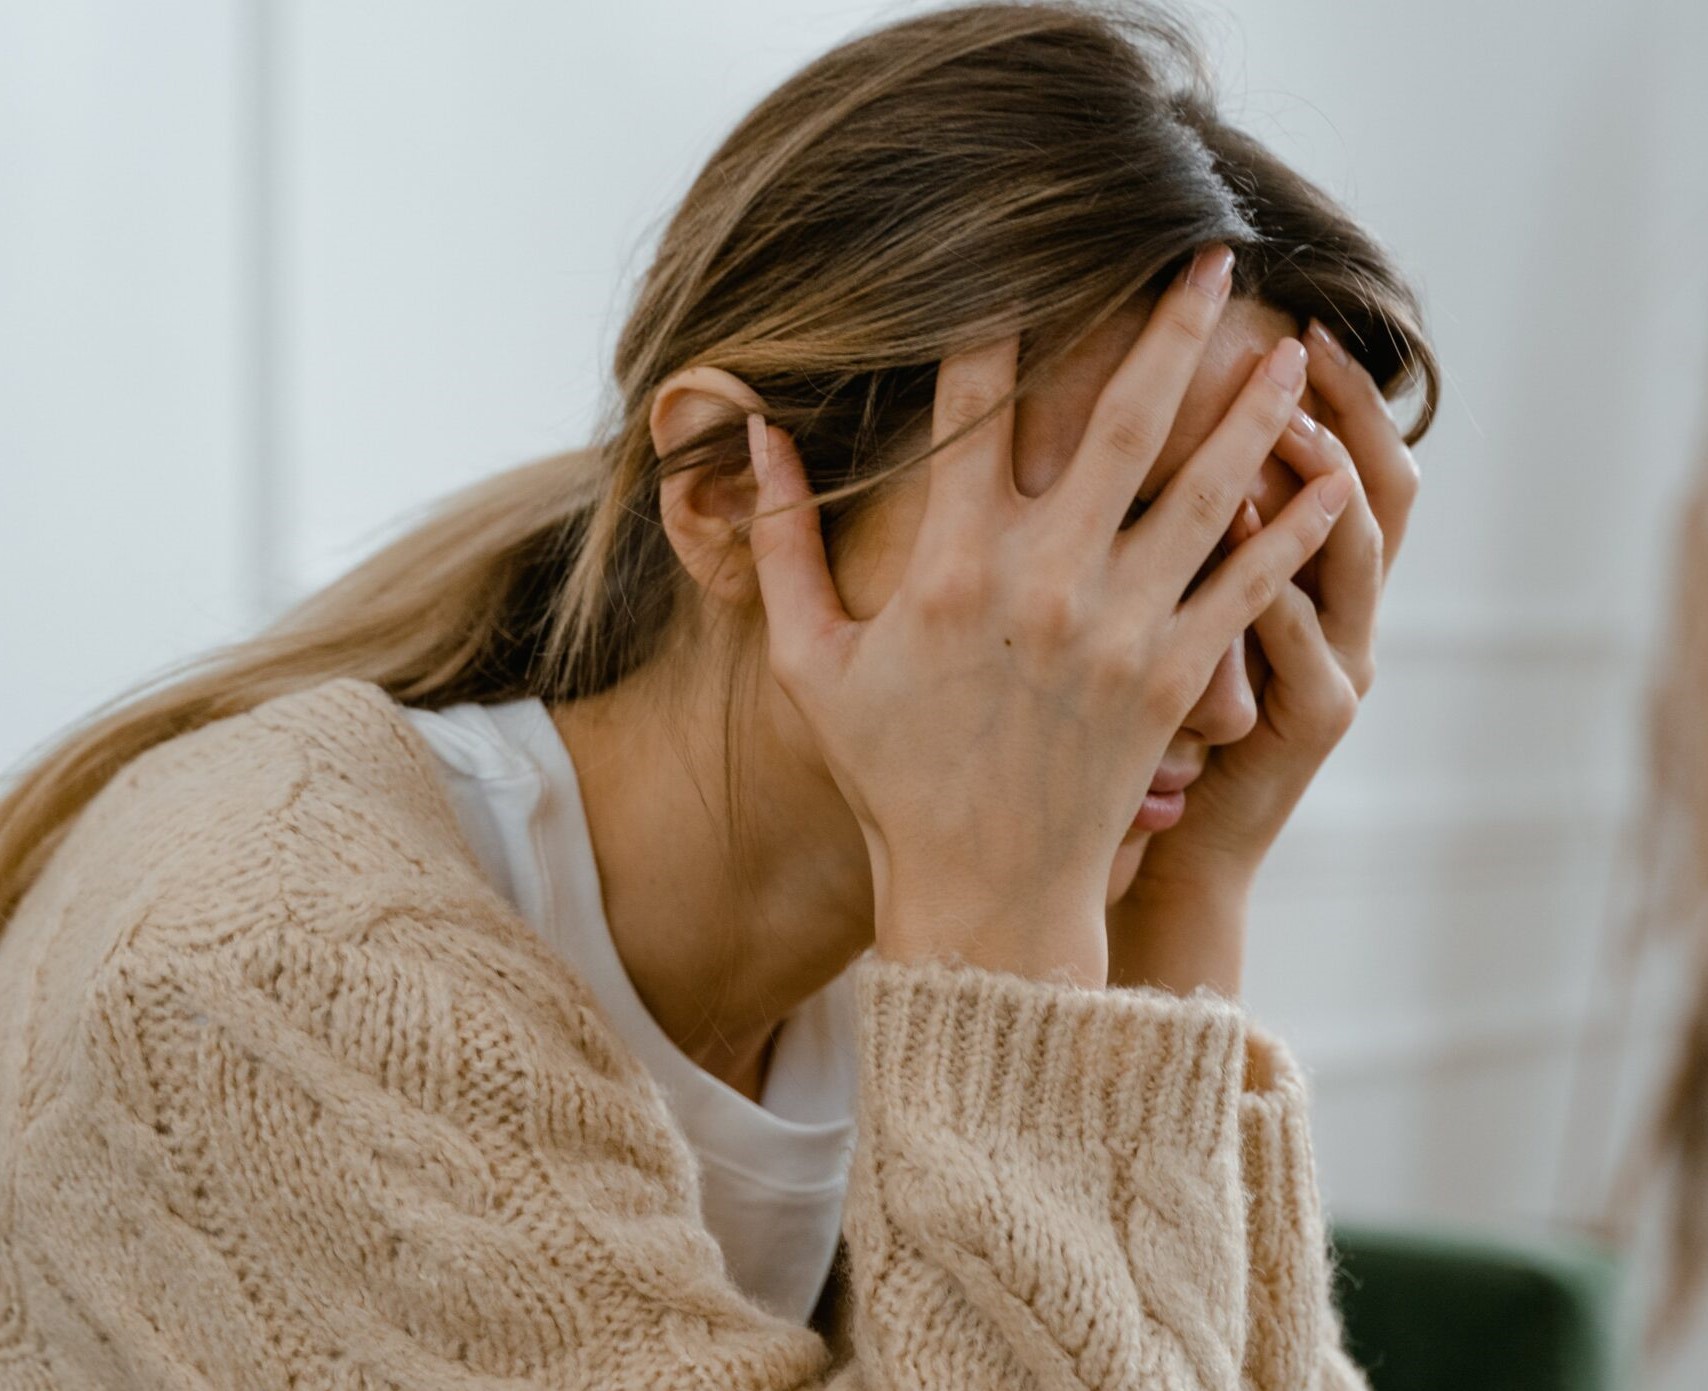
(1286, 365)
(1250, 520)
(1211, 271)
(1331, 344)
(1302, 423)
(758, 448)
(1335, 492)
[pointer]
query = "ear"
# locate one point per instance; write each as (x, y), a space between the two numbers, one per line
(700, 512)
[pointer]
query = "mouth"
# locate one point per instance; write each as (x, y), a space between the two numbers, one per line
(1165, 801)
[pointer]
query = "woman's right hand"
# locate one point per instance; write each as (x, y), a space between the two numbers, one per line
(995, 726)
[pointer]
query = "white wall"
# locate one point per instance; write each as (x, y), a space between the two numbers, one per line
(125, 404)
(271, 275)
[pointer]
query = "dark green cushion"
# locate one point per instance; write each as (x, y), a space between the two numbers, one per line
(1427, 1310)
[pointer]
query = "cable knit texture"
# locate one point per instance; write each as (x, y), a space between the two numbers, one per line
(290, 1096)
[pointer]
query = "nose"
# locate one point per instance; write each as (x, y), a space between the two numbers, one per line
(1227, 711)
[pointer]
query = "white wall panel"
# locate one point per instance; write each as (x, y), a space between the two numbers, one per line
(123, 398)
(467, 191)
(1539, 166)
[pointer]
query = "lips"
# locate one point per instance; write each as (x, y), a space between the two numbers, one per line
(1165, 800)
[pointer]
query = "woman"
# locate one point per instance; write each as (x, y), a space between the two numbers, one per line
(398, 999)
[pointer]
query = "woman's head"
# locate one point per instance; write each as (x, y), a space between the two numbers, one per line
(701, 515)
(926, 187)
(929, 185)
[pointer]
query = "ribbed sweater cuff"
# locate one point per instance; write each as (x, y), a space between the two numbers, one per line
(1291, 1318)
(1052, 1066)
(1275, 1144)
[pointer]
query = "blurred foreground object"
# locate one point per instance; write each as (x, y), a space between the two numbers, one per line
(1426, 1310)
(1672, 842)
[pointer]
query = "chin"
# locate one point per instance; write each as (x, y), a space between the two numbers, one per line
(1126, 866)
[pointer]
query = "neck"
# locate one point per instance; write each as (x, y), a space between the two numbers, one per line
(719, 969)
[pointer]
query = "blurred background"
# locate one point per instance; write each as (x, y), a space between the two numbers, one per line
(272, 275)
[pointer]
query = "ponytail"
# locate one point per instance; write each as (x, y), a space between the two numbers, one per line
(453, 610)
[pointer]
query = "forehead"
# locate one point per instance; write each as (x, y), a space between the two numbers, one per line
(1050, 423)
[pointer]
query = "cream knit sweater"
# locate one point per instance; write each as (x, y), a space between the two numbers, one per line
(291, 1097)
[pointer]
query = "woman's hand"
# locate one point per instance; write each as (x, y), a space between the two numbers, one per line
(1182, 923)
(995, 725)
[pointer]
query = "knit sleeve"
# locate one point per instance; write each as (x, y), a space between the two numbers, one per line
(383, 1156)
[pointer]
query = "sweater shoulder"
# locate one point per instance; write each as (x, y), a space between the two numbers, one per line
(312, 1069)
(261, 821)
(314, 818)
(303, 859)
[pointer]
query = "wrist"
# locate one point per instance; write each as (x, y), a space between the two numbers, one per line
(1058, 937)
(1180, 935)
(1200, 878)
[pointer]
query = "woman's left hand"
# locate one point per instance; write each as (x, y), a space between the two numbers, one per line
(1183, 920)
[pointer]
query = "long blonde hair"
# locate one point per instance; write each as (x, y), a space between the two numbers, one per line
(922, 187)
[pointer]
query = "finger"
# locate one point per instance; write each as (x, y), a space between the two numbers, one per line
(1247, 582)
(801, 602)
(1135, 410)
(1308, 689)
(1246, 523)
(1168, 544)
(970, 475)
(1384, 462)
(1349, 565)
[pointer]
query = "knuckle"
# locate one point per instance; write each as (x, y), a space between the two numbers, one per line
(1049, 614)
(1376, 404)
(1411, 477)
(1258, 589)
(1206, 501)
(1374, 547)
(1192, 318)
(1255, 421)
(1312, 530)
(958, 587)
(1362, 675)
(787, 664)
(1341, 708)
(1270, 410)
(1126, 660)
(960, 402)
(1130, 431)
